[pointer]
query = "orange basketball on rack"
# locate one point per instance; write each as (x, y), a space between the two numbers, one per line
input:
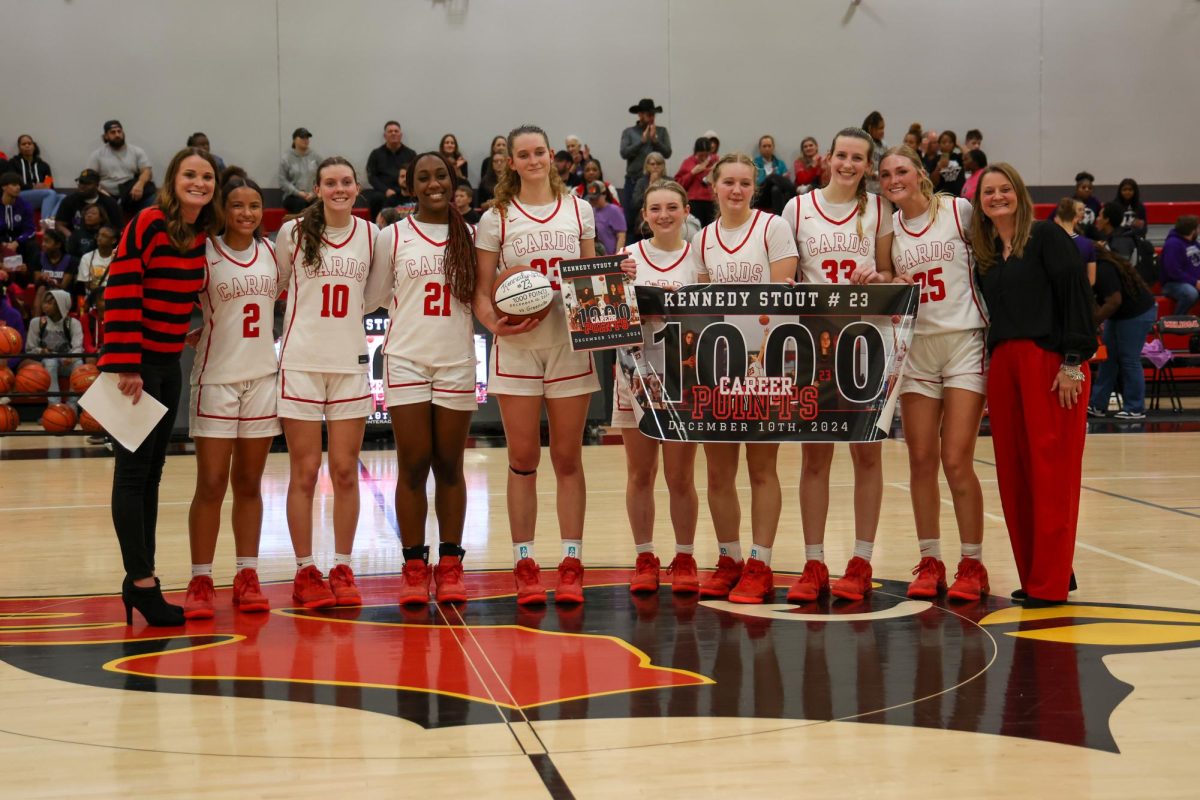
(58, 418)
(11, 341)
(88, 423)
(7, 379)
(32, 378)
(83, 376)
(9, 419)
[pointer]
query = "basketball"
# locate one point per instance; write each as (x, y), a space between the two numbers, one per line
(6, 379)
(88, 423)
(522, 293)
(9, 419)
(32, 379)
(58, 418)
(10, 340)
(896, 319)
(83, 376)
(764, 320)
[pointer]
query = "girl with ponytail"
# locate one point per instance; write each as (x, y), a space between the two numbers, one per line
(429, 371)
(232, 412)
(325, 257)
(844, 235)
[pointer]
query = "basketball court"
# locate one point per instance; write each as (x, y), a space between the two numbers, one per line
(658, 696)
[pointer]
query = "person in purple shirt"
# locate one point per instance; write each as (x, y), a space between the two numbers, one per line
(1069, 216)
(1179, 264)
(9, 315)
(16, 221)
(610, 220)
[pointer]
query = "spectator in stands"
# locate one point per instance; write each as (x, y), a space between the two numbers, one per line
(1179, 264)
(974, 140)
(592, 172)
(387, 216)
(655, 169)
(93, 267)
(1067, 215)
(1084, 181)
(92, 321)
(1129, 197)
(55, 269)
(499, 145)
(610, 220)
(37, 180)
(87, 193)
(638, 141)
(766, 163)
(298, 172)
(405, 203)
(124, 169)
(947, 174)
(930, 152)
(9, 315)
(693, 177)
(810, 168)
(83, 236)
(912, 137)
(464, 201)
(874, 126)
(16, 223)
(580, 153)
(383, 167)
(449, 148)
(1111, 235)
(973, 162)
(55, 332)
(1124, 297)
(485, 194)
(199, 140)
(564, 166)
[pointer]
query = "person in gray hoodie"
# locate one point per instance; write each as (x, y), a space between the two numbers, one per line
(298, 172)
(1179, 264)
(56, 332)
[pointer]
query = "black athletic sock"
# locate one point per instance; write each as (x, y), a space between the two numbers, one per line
(450, 549)
(421, 551)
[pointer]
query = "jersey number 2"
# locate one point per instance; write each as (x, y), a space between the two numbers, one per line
(250, 319)
(933, 288)
(335, 300)
(437, 300)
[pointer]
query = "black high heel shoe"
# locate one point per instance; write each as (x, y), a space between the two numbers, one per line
(1021, 594)
(149, 601)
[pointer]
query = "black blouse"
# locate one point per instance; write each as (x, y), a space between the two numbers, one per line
(1041, 295)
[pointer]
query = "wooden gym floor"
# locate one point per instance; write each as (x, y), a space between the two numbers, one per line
(660, 697)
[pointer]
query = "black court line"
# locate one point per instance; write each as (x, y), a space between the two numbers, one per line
(1138, 500)
(552, 779)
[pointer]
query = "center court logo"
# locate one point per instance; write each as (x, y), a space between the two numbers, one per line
(984, 668)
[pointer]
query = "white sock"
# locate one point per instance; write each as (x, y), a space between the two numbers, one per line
(863, 549)
(201, 569)
(306, 561)
(249, 562)
(731, 549)
(522, 550)
(341, 559)
(974, 551)
(930, 548)
(814, 552)
(763, 554)
(686, 549)
(648, 547)
(572, 548)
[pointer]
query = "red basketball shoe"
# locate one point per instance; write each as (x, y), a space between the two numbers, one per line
(570, 581)
(756, 584)
(199, 601)
(970, 582)
(685, 578)
(856, 582)
(726, 576)
(930, 580)
(529, 585)
(345, 590)
(247, 593)
(309, 589)
(448, 578)
(645, 574)
(812, 583)
(414, 582)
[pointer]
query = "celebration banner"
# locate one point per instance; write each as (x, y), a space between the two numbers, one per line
(769, 362)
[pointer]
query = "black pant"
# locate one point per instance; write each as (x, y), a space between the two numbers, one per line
(702, 210)
(137, 474)
(131, 206)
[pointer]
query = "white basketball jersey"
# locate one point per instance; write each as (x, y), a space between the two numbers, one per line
(426, 324)
(539, 237)
(937, 257)
(827, 236)
(237, 342)
(323, 324)
(662, 268)
(744, 255)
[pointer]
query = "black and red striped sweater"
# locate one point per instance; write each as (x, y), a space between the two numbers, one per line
(151, 290)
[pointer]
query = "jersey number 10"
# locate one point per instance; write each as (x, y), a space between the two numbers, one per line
(335, 300)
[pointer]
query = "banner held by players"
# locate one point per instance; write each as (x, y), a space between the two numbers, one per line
(769, 363)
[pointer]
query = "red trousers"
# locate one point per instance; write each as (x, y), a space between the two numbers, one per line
(1039, 463)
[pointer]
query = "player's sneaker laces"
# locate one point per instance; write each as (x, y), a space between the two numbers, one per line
(856, 582)
(414, 582)
(570, 581)
(309, 589)
(685, 577)
(341, 583)
(529, 585)
(930, 580)
(812, 583)
(448, 580)
(970, 581)
(645, 573)
(199, 601)
(726, 576)
(247, 593)
(756, 584)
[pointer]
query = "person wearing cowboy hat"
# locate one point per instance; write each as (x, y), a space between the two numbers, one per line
(639, 141)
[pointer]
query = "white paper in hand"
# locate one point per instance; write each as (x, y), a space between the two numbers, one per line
(120, 418)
